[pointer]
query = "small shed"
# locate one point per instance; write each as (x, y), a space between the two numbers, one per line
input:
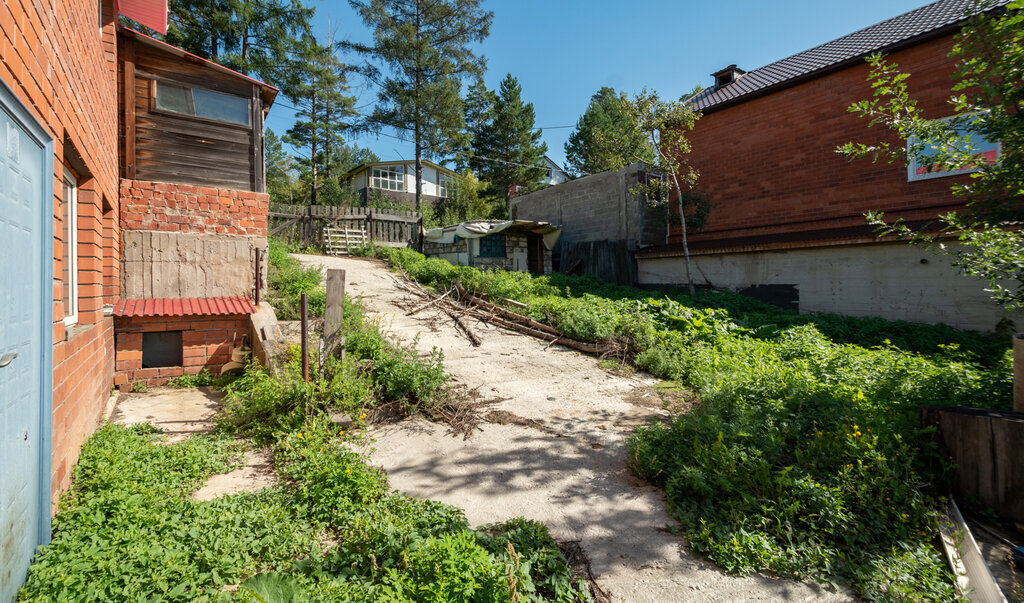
(520, 245)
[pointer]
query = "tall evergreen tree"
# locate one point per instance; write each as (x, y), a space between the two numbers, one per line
(425, 45)
(478, 113)
(280, 166)
(316, 87)
(255, 37)
(510, 152)
(605, 137)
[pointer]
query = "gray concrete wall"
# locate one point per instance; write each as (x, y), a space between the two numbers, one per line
(168, 264)
(603, 222)
(887, 280)
(598, 207)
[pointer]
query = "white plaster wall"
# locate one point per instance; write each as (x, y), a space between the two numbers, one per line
(429, 179)
(886, 280)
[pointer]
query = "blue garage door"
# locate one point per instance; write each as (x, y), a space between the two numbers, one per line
(26, 202)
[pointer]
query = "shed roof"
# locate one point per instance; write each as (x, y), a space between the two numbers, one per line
(185, 306)
(918, 25)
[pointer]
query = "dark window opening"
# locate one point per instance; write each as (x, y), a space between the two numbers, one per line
(202, 103)
(492, 246)
(161, 349)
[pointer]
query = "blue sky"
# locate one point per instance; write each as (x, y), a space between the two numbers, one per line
(562, 51)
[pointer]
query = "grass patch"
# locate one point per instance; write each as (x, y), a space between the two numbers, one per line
(805, 458)
(287, 280)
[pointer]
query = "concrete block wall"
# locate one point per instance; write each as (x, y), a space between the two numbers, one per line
(599, 207)
(59, 59)
(206, 343)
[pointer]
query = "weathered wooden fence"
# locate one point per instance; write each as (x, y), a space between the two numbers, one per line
(304, 224)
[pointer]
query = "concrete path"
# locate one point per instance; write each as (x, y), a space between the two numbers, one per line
(555, 454)
(183, 412)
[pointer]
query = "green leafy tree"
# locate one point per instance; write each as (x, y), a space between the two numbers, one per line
(280, 169)
(509, 152)
(316, 86)
(988, 101)
(604, 138)
(202, 27)
(664, 126)
(426, 48)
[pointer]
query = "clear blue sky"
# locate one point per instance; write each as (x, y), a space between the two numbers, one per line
(562, 51)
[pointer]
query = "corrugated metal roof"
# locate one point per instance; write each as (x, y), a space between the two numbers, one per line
(855, 46)
(185, 306)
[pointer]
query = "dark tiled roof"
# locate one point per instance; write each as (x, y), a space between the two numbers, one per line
(879, 37)
(185, 306)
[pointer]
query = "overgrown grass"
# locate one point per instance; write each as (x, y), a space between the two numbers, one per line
(805, 458)
(333, 531)
(287, 280)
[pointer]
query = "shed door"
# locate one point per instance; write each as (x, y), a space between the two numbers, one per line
(24, 447)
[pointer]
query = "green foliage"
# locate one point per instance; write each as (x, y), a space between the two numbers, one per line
(287, 280)
(990, 54)
(427, 51)
(606, 137)
(202, 378)
(139, 387)
(508, 150)
(805, 458)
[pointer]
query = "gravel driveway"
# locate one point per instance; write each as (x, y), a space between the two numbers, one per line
(565, 468)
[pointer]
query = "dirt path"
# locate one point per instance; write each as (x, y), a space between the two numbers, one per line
(566, 467)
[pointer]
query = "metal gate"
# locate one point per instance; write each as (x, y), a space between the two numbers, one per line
(26, 373)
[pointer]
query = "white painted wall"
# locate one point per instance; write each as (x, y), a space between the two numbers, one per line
(365, 178)
(557, 176)
(886, 280)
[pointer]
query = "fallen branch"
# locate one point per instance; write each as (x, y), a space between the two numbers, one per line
(506, 314)
(426, 305)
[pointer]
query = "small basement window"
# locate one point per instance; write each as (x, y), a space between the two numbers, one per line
(202, 103)
(492, 246)
(161, 349)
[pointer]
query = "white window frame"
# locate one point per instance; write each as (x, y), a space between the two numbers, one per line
(155, 93)
(913, 165)
(386, 177)
(444, 182)
(70, 215)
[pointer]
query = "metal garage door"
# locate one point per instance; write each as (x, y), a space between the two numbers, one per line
(26, 209)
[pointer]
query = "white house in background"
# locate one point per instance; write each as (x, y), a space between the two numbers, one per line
(397, 180)
(554, 175)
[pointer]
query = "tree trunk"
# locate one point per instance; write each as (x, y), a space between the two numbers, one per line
(313, 149)
(682, 224)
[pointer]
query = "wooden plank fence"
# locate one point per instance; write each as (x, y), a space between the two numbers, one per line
(304, 224)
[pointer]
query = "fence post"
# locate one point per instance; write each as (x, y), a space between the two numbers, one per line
(304, 310)
(419, 234)
(369, 222)
(334, 313)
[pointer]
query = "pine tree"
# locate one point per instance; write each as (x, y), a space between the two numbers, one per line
(280, 166)
(478, 113)
(425, 45)
(605, 137)
(510, 153)
(316, 87)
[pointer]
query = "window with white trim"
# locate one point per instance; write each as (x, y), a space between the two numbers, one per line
(444, 183)
(201, 103)
(69, 255)
(389, 178)
(983, 149)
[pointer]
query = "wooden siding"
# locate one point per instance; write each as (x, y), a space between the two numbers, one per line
(165, 147)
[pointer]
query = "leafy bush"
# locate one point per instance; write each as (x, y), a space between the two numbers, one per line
(287, 280)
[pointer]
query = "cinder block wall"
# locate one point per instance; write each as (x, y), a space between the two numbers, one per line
(599, 207)
(182, 240)
(59, 59)
(206, 343)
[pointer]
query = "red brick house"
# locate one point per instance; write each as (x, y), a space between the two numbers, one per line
(788, 218)
(66, 214)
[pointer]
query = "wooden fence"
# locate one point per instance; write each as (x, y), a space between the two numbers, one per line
(304, 224)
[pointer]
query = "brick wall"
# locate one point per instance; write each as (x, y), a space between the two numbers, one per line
(187, 208)
(769, 165)
(62, 65)
(206, 343)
